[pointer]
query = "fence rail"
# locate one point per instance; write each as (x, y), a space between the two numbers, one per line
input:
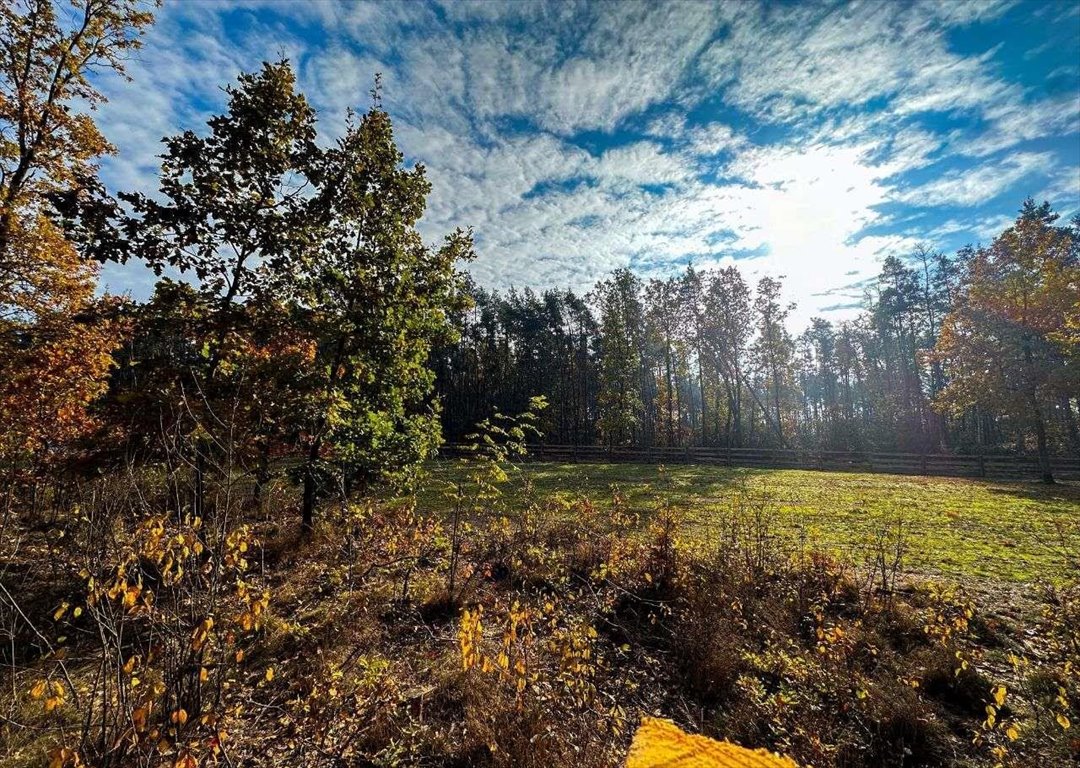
(997, 467)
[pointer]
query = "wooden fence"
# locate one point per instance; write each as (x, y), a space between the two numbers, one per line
(997, 467)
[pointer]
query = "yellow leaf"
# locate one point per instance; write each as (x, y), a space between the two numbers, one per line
(1062, 721)
(269, 674)
(1012, 733)
(999, 695)
(661, 743)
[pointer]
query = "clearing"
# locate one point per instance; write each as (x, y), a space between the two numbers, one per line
(958, 529)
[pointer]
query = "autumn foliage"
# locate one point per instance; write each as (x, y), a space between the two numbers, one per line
(226, 538)
(55, 343)
(1007, 341)
(56, 349)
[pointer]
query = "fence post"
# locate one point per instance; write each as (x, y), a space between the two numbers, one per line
(982, 466)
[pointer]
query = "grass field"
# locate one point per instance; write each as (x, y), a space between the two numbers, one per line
(962, 529)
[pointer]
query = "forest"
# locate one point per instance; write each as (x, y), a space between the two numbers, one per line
(229, 538)
(937, 361)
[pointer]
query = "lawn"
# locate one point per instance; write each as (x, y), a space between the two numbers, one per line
(970, 530)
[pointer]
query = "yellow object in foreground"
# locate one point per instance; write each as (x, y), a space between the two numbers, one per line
(662, 744)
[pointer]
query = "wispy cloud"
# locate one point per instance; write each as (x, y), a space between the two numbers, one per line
(971, 186)
(806, 140)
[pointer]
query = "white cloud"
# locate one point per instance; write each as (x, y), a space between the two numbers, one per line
(1014, 122)
(973, 186)
(714, 138)
(832, 109)
(787, 62)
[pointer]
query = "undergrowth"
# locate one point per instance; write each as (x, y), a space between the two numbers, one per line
(531, 632)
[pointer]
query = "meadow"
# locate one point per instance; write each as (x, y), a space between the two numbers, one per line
(952, 528)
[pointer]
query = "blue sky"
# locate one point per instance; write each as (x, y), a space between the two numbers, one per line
(808, 140)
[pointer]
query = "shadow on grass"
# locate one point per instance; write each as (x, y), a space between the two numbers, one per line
(676, 484)
(1066, 492)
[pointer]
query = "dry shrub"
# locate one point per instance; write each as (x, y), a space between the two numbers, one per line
(528, 635)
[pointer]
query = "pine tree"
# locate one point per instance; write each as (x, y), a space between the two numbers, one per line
(621, 325)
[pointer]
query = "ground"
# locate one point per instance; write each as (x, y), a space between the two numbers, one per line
(856, 620)
(955, 528)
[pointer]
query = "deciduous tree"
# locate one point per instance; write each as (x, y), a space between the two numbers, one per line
(377, 299)
(1007, 338)
(54, 343)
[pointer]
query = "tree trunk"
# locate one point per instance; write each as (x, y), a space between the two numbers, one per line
(670, 392)
(1070, 425)
(262, 473)
(1037, 417)
(1040, 439)
(776, 404)
(307, 509)
(701, 387)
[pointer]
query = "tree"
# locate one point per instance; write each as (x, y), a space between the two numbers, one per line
(232, 211)
(46, 144)
(234, 204)
(821, 388)
(773, 349)
(897, 317)
(376, 299)
(55, 340)
(663, 327)
(317, 303)
(55, 354)
(621, 325)
(1006, 339)
(728, 325)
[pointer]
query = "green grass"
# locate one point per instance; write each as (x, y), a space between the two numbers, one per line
(954, 528)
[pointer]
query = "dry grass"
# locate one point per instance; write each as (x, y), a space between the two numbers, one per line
(568, 618)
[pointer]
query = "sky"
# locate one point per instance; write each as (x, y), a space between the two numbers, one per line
(795, 139)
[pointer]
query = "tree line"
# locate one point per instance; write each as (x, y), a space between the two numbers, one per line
(970, 352)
